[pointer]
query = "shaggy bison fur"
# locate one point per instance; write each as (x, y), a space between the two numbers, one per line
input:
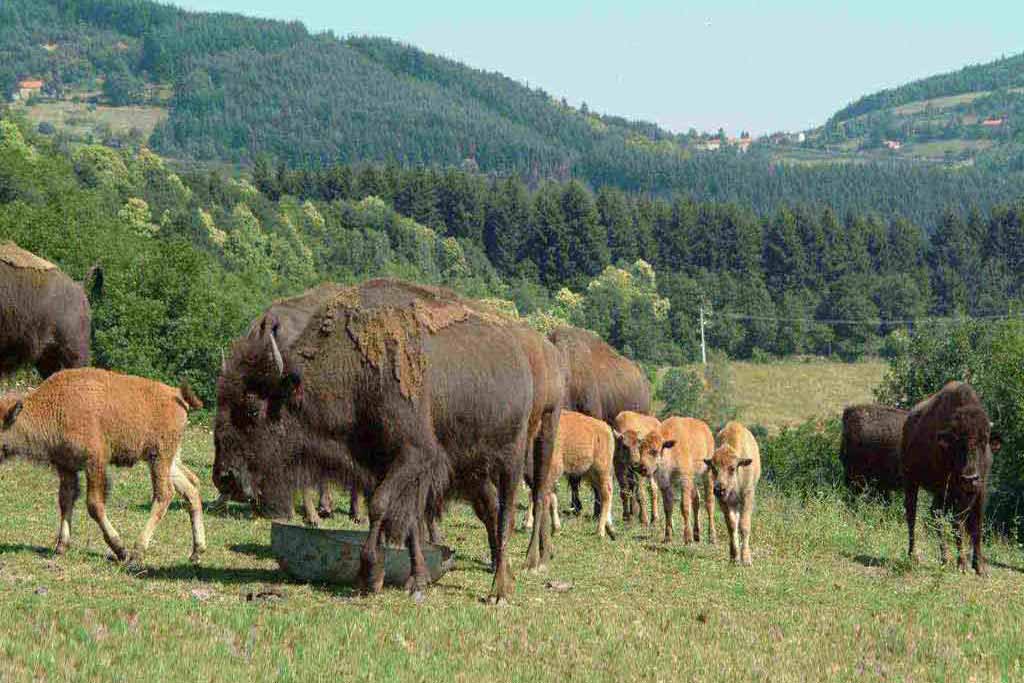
(45, 319)
(602, 384)
(870, 448)
(399, 388)
(947, 449)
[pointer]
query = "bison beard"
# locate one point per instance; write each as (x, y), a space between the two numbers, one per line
(349, 402)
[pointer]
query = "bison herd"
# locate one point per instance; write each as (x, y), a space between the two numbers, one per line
(411, 397)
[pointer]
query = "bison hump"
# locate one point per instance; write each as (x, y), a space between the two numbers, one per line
(16, 257)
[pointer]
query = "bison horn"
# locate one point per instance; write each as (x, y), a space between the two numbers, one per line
(278, 360)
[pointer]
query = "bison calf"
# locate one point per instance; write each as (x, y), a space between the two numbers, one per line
(630, 429)
(734, 470)
(89, 419)
(584, 449)
(675, 454)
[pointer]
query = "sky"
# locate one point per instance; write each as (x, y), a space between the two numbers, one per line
(742, 65)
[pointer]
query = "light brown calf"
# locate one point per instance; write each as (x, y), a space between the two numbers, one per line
(89, 419)
(734, 471)
(675, 454)
(630, 429)
(584, 448)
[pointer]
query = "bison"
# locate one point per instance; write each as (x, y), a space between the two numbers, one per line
(230, 477)
(675, 455)
(585, 449)
(397, 387)
(45, 319)
(947, 449)
(870, 449)
(734, 471)
(630, 428)
(89, 419)
(602, 384)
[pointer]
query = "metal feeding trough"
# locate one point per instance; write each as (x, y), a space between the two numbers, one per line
(333, 555)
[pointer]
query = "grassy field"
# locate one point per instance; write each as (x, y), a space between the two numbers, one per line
(790, 392)
(830, 597)
(78, 121)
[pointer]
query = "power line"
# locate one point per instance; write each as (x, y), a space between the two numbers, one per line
(871, 323)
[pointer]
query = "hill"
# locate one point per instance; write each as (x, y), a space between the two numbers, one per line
(227, 88)
(974, 115)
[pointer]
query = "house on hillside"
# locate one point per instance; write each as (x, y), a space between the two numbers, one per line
(892, 145)
(993, 123)
(28, 89)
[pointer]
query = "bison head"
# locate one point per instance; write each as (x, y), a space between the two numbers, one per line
(630, 442)
(251, 440)
(723, 469)
(649, 453)
(968, 443)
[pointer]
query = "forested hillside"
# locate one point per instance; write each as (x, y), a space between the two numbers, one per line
(242, 87)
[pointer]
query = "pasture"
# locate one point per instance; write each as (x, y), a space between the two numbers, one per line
(830, 597)
(79, 120)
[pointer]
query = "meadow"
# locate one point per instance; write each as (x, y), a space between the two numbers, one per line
(830, 597)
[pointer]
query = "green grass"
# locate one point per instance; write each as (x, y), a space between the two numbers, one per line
(830, 598)
(789, 392)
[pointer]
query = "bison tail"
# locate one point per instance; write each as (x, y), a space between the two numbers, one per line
(188, 397)
(417, 492)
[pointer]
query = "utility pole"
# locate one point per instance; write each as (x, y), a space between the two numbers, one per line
(703, 345)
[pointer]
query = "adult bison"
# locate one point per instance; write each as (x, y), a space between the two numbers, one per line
(397, 387)
(45, 319)
(602, 384)
(870, 448)
(947, 448)
(229, 474)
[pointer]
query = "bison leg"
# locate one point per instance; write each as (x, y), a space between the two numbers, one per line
(709, 505)
(419, 577)
(910, 510)
(974, 522)
(574, 495)
(556, 521)
(687, 507)
(666, 500)
(96, 502)
(504, 583)
(182, 480)
(163, 491)
(732, 523)
(371, 566)
(604, 521)
(938, 514)
(485, 505)
(540, 550)
(67, 495)
(654, 499)
(746, 512)
(356, 496)
(325, 508)
(309, 512)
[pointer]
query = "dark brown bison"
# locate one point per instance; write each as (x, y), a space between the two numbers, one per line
(947, 448)
(45, 319)
(602, 384)
(230, 476)
(870, 448)
(396, 387)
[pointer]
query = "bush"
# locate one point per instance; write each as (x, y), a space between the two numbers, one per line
(706, 393)
(803, 460)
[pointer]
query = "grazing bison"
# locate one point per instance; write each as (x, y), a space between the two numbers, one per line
(397, 387)
(602, 384)
(870, 449)
(89, 419)
(675, 454)
(585, 449)
(630, 428)
(734, 471)
(947, 449)
(229, 476)
(45, 318)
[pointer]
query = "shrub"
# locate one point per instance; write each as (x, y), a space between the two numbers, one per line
(803, 460)
(706, 393)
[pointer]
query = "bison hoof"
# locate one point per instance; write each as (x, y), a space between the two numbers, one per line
(196, 555)
(981, 571)
(326, 513)
(61, 549)
(496, 601)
